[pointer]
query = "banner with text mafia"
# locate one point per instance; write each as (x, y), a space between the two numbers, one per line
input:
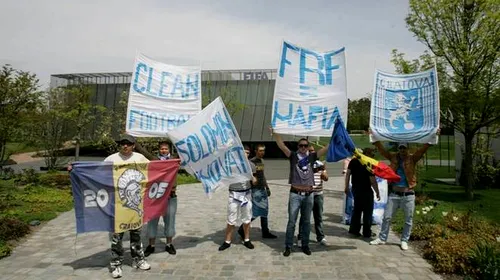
(161, 97)
(310, 91)
(117, 197)
(405, 108)
(210, 147)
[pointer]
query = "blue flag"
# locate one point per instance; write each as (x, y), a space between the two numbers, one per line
(341, 145)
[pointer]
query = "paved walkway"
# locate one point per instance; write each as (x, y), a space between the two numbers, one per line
(54, 252)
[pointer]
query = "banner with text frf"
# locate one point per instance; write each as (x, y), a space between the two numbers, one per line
(161, 97)
(405, 108)
(210, 147)
(310, 91)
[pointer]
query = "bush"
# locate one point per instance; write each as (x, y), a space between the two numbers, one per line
(6, 173)
(450, 255)
(4, 249)
(12, 229)
(485, 258)
(425, 231)
(27, 176)
(55, 179)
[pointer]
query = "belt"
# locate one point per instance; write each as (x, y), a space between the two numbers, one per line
(404, 193)
(299, 192)
(240, 190)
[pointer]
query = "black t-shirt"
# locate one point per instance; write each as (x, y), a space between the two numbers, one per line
(360, 176)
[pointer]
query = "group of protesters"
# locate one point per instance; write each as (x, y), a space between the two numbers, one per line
(248, 201)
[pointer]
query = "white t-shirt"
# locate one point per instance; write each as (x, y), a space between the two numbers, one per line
(134, 157)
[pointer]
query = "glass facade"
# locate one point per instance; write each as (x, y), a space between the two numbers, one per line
(254, 89)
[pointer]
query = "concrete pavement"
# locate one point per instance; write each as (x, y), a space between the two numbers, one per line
(55, 252)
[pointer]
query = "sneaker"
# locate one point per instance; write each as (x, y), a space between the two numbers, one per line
(323, 242)
(142, 265)
(299, 243)
(149, 250)
(404, 245)
(241, 233)
(116, 272)
(248, 244)
(306, 250)
(170, 249)
(287, 252)
(377, 241)
(224, 246)
(269, 235)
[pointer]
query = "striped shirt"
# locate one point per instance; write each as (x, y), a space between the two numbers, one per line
(318, 183)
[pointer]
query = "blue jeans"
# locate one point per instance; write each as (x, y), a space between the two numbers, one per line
(394, 202)
(168, 220)
(304, 203)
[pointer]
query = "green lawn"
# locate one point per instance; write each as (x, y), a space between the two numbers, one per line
(19, 205)
(451, 198)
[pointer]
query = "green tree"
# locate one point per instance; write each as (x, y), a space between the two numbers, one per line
(53, 124)
(466, 35)
(80, 112)
(358, 114)
(19, 97)
(228, 95)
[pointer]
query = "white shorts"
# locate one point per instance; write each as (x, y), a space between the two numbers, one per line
(237, 208)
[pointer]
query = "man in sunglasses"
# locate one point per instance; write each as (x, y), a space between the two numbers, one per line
(301, 179)
(401, 194)
(126, 154)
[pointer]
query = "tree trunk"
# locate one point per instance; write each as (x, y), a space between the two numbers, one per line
(77, 147)
(468, 167)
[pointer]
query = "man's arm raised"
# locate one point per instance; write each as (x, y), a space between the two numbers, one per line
(280, 143)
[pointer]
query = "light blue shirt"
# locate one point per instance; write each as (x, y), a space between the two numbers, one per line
(401, 172)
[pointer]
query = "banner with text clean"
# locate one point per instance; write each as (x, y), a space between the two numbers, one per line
(161, 97)
(310, 91)
(210, 147)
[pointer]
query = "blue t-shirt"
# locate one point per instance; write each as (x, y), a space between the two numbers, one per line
(401, 172)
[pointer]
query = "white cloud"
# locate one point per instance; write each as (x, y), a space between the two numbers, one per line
(57, 36)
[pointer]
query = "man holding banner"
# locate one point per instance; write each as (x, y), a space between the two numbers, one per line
(127, 154)
(401, 193)
(240, 207)
(300, 198)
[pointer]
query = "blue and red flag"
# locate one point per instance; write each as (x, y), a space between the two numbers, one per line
(117, 197)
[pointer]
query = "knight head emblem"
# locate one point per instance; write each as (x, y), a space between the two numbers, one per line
(129, 189)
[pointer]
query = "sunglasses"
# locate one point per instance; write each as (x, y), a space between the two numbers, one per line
(303, 145)
(126, 143)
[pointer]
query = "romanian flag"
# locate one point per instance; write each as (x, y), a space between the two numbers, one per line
(117, 197)
(377, 168)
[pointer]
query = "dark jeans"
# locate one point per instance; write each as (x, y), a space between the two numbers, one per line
(318, 218)
(363, 203)
(117, 247)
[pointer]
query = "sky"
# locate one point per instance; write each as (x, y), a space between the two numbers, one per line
(60, 36)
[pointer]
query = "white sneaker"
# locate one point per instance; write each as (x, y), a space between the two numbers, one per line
(299, 243)
(323, 242)
(142, 264)
(404, 245)
(377, 241)
(117, 272)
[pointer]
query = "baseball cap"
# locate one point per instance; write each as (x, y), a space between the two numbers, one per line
(126, 138)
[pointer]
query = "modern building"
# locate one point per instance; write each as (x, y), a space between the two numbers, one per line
(252, 88)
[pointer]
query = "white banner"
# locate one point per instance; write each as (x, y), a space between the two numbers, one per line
(310, 91)
(210, 147)
(161, 97)
(405, 108)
